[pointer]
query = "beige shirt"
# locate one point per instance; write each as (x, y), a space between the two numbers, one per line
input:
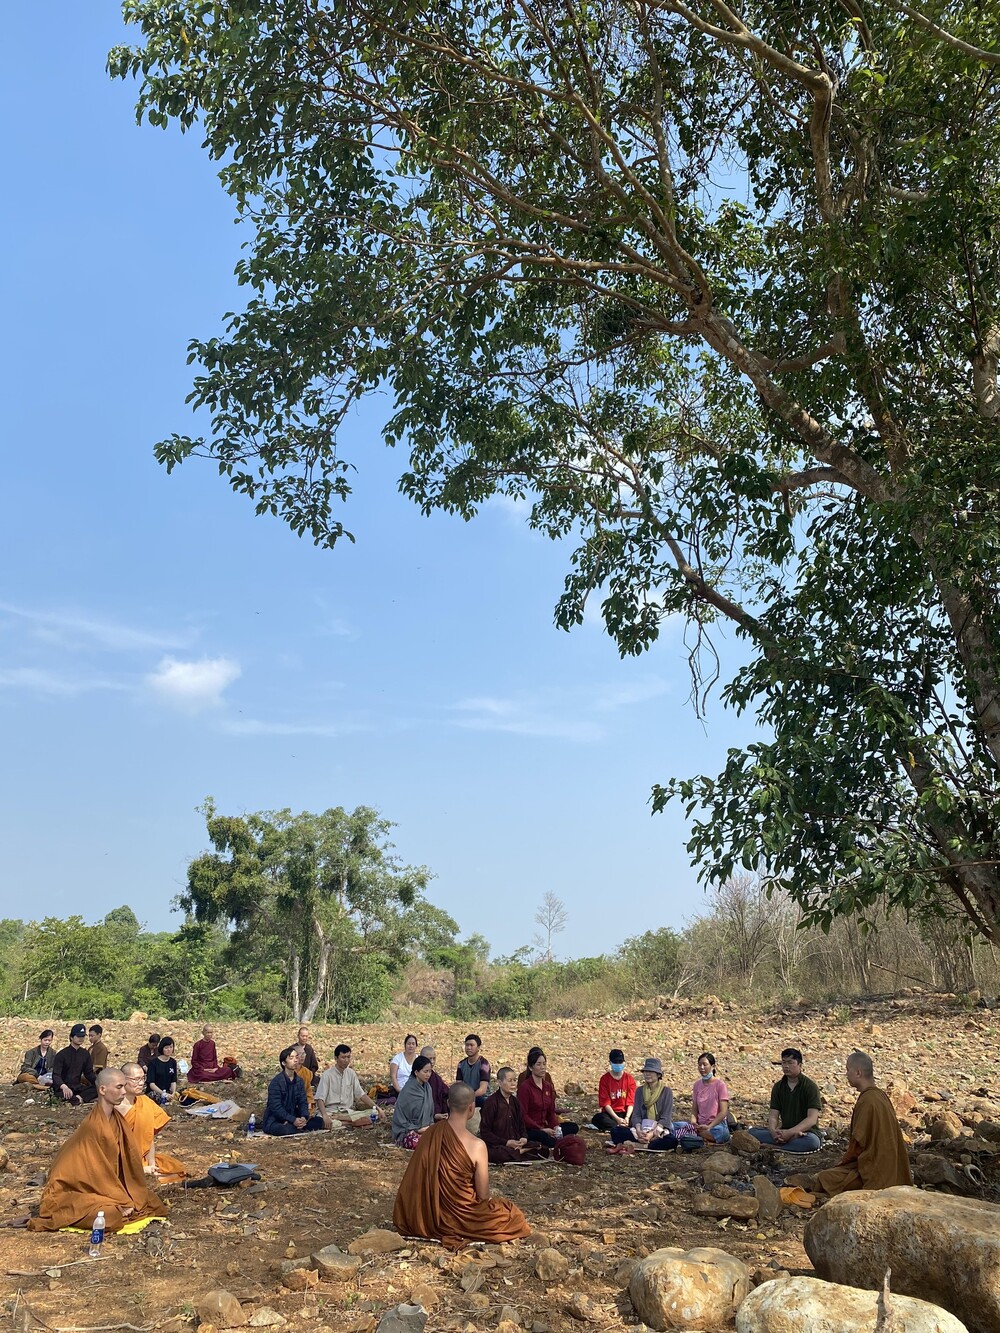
(339, 1091)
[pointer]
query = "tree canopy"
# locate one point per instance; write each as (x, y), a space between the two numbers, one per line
(716, 290)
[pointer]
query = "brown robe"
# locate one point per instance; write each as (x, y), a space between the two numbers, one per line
(501, 1120)
(876, 1154)
(145, 1118)
(99, 1166)
(437, 1196)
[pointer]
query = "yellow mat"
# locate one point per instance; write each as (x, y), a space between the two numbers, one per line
(129, 1229)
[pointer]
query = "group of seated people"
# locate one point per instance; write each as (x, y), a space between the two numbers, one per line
(70, 1073)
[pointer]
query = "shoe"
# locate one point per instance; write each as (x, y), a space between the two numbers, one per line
(590, 1125)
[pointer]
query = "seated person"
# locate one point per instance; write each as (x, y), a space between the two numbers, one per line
(502, 1126)
(445, 1191)
(37, 1065)
(537, 1095)
(615, 1094)
(710, 1104)
(148, 1052)
(876, 1154)
(795, 1108)
(205, 1067)
(474, 1069)
(651, 1122)
(309, 1062)
(339, 1094)
(437, 1085)
(74, 1079)
(401, 1064)
(414, 1109)
(161, 1074)
(98, 1168)
(287, 1110)
(100, 1056)
(306, 1076)
(145, 1119)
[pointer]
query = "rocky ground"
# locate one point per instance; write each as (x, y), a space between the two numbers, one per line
(938, 1053)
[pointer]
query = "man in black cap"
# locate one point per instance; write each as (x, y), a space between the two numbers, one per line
(73, 1076)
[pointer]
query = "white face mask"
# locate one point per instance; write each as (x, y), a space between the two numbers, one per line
(707, 1078)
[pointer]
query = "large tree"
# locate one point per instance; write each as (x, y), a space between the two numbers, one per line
(320, 894)
(716, 289)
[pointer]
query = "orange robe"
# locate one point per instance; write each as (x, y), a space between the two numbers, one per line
(307, 1082)
(99, 1166)
(437, 1196)
(876, 1154)
(145, 1118)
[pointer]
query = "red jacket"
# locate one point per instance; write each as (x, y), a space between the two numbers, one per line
(538, 1104)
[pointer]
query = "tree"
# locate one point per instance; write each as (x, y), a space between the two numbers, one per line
(552, 918)
(322, 891)
(718, 292)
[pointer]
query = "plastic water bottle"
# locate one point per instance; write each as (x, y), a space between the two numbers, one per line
(374, 1117)
(251, 1124)
(97, 1236)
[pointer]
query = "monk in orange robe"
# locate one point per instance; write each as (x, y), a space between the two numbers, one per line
(876, 1154)
(445, 1191)
(145, 1118)
(99, 1167)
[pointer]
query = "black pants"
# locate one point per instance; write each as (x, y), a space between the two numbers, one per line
(603, 1120)
(279, 1127)
(550, 1140)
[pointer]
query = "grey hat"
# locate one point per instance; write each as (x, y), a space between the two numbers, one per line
(655, 1065)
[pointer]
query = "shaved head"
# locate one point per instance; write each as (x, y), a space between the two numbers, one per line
(133, 1071)
(107, 1076)
(460, 1097)
(862, 1063)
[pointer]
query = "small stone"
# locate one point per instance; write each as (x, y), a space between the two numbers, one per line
(402, 1319)
(378, 1242)
(508, 1326)
(300, 1279)
(508, 1315)
(551, 1266)
(745, 1144)
(221, 1308)
(722, 1163)
(421, 1293)
(624, 1271)
(583, 1307)
(335, 1266)
(743, 1206)
(946, 1126)
(265, 1317)
(480, 1301)
(768, 1199)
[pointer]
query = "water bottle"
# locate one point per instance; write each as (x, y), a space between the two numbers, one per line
(374, 1117)
(97, 1236)
(251, 1124)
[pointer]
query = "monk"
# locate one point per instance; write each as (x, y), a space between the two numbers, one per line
(145, 1118)
(306, 1076)
(502, 1126)
(445, 1191)
(205, 1067)
(99, 1167)
(309, 1061)
(876, 1154)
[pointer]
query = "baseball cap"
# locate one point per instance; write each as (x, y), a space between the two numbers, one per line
(78, 1030)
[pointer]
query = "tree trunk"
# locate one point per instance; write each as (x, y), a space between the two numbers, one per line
(293, 983)
(322, 968)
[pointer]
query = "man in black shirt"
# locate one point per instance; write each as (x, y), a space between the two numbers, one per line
(73, 1076)
(795, 1108)
(287, 1110)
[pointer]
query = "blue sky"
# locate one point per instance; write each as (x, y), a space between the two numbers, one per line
(159, 642)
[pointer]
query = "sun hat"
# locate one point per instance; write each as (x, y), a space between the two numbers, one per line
(652, 1063)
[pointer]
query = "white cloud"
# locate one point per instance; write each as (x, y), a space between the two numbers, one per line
(72, 627)
(554, 714)
(252, 726)
(193, 685)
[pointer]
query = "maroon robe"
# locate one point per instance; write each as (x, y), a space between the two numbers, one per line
(500, 1120)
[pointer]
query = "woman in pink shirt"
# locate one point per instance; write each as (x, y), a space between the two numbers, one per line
(710, 1102)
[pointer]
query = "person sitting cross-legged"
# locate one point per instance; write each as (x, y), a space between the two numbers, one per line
(876, 1156)
(537, 1094)
(149, 1051)
(37, 1065)
(414, 1109)
(445, 1191)
(795, 1108)
(205, 1067)
(340, 1098)
(145, 1118)
(310, 1062)
(651, 1122)
(98, 1169)
(161, 1073)
(437, 1085)
(710, 1104)
(287, 1110)
(502, 1126)
(73, 1076)
(475, 1068)
(615, 1094)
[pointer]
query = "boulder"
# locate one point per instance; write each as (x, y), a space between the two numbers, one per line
(899, 1094)
(941, 1248)
(335, 1266)
(743, 1142)
(808, 1305)
(946, 1126)
(697, 1289)
(221, 1308)
(378, 1242)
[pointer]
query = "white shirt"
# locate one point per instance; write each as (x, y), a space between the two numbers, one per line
(403, 1067)
(339, 1090)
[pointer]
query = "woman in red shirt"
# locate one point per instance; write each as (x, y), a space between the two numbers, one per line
(536, 1094)
(615, 1094)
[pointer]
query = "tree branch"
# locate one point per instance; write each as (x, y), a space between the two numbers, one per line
(987, 57)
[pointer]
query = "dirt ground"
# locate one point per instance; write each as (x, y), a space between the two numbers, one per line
(317, 1190)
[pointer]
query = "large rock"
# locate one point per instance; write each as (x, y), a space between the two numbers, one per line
(700, 1288)
(808, 1305)
(221, 1308)
(335, 1266)
(743, 1207)
(378, 1242)
(403, 1319)
(941, 1248)
(946, 1126)
(551, 1266)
